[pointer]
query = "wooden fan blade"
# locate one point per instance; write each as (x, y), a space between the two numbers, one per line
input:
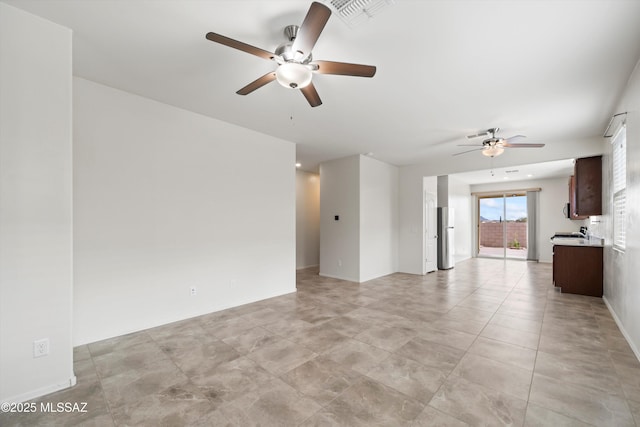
(257, 83)
(469, 151)
(514, 138)
(239, 45)
(311, 94)
(344, 69)
(506, 144)
(311, 28)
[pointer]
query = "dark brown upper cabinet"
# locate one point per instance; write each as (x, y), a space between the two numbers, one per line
(572, 200)
(586, 198)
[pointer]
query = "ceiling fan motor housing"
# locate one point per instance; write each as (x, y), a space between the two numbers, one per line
(290, 32)
(285, 50)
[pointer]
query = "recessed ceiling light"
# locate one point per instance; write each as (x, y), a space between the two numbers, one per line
(506, 177)
(529, 176)
(298, 165)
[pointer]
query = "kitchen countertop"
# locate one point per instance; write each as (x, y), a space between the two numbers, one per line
(577, 241)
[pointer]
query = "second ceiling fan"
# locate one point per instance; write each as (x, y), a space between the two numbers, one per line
(494, 146)
(295, 63)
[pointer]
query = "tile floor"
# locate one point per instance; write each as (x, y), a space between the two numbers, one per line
(487, 343)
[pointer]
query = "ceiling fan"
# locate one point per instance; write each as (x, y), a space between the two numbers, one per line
(494, 146)
(295, 63)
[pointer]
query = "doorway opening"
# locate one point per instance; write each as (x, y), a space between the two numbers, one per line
(502, 226)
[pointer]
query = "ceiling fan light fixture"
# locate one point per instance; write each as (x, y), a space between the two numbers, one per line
(493, 151)
(293, 75)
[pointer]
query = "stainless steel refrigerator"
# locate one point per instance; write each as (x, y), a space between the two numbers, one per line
(446, 242)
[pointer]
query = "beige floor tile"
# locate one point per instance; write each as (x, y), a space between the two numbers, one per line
(319, 338)
(200, 357)
(118, 343)
(387, 337)
(537, 416)
(466, 313)
(189, 327)
(281, 356)
(321, 379)
(585, 404)
(525, 325)
(367, 403)
(127, 387)
(635, 410)
(372, 316)
(138, 359)
(285, 327)
(467, 326)
(594, 351)
(515, 355)
(495, 375)
(357, 355)
(415, 380)
(478, 405)
(347, 326)
(231, 380)
(251, 340)
(431, 354)
(273, 404)
(81, 353)
(511, 336)
(431, 417)
(451, 337)
(181, 404)
(600, 376)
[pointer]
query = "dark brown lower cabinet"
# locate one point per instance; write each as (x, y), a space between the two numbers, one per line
(578, 269)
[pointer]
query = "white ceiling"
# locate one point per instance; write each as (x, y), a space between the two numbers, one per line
(550, 69)
(535, 171)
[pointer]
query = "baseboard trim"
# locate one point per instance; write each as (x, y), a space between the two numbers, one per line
(348, 279)
(32, 394)
(621, 327)
(307, 266)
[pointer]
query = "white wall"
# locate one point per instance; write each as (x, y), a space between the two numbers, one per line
(553, 196)
(165, 199)
(307, 219)
(443, 191)
(340, 240)
(462, 203)
(363, 243)
(621, 270)
(35, 205)
(378, 218)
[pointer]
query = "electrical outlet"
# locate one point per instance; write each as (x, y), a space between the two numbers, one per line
(41, 347)
(193, 291)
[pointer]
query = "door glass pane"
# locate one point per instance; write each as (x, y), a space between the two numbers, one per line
(491, 230)
(516, 226)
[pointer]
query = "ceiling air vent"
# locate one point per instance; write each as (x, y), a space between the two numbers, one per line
(355, 12)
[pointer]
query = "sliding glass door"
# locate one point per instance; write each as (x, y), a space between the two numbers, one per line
(502, 226)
